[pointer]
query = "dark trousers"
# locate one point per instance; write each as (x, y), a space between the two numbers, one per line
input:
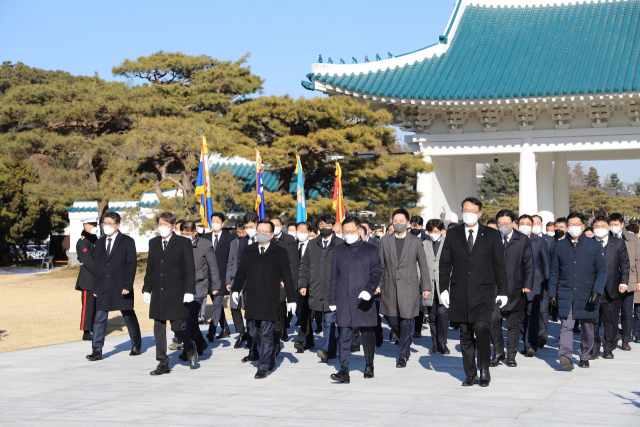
(193, 327)
(238, 320)
(626, 316)
(179, 328)
(438, 322)
(544, 317)
(305, 334)
(609, 312)
(636, 322)
(402, 328)
(530, 325)
(468, 344)
(262, 333)
(218, 313)
(88, 311)
(100, 328)
(280, 324)
(377, 330)
(368, 344)
(329, 331)
(513, 331)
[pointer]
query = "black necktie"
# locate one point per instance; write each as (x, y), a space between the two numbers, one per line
(108, 246)
(215, 244)
(324, 244)
(504, 241)
(164, 244)
(261, 250)
(470, 240)
(300, 250)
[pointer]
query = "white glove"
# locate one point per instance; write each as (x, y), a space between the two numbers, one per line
(292, 307)
(332, 307)
(188, 298)
(235, 297)
(366, 296)
(146, 296)
(501, 300)
(444, 299)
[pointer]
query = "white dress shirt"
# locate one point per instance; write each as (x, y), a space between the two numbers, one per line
(475, 232)
(113, 240)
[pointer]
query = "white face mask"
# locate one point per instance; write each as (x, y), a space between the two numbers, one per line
(616, 230)
(164, 231)
(575, 231)
(536, 229)
(250, 232)
(600, 232)
(293, 233)
(177, 233)
(277, 230)
(525, 229)
(94, 230)
(470, 218)
(303, 236)
(108, 231)
(351, 238)
(200, 230)
(551, 233)
(339, 236)
(435, 236)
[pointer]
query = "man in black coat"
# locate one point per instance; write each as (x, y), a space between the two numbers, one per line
(305, 339)
(288, 242)
(169, 286)
(235, 253)
(472, 266)
(221, 242)
(262, 268)
(618, 266)
(520, 273)
(539, 229)
(84, 283)
(114, 271)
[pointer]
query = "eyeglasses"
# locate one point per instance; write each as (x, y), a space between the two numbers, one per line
(504, 224)
(470, 211)
(110, 224)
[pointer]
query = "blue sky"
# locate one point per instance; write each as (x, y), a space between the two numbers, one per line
(283, 37)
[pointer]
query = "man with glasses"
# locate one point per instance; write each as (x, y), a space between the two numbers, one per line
(113, 275)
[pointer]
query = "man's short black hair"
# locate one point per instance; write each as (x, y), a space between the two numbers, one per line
(551, 223)
(291, 224)
(473, 200)
(506, 212)
(278, 219)
(525, 216)
(365, 222)
(400, 212)
(115, 216)
(167, 217)
(266, 221)
(250, 217)
(303, 223)
(239, 225)
(491, 221)
(352, 219)
(189, 226)
(616, 217)
(327, 219)
(633, 228)
(181, 221)
(434, 223)
(600, 218)
(576, 215)
(218, 215)
(588, 229)
(536, 216)
(562, 220)
(364, 229)
(452, 224)
(416, 220)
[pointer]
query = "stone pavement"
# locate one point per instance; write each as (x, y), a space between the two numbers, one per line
(56, 386)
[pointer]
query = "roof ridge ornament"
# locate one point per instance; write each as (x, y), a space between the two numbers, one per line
(320, 60)
(353, 58)
(390, 55)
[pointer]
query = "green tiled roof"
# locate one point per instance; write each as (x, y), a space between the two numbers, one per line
(114, 208)
(507, 52)
(73, 210)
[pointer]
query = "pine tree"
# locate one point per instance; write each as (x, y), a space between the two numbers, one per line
(593, 179)
(499, 180)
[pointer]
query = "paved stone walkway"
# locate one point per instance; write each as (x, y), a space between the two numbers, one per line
(56, 386)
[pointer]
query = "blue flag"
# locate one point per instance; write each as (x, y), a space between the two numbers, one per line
(301, 208)
(259, 187)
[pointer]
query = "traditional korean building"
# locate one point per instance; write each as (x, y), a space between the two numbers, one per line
(536, 82)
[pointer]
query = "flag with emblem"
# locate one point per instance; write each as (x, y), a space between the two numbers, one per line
(259, 187)
(203, 186)
(338, 202)
(301, 207)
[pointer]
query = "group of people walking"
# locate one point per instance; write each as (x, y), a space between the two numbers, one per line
(349, 276)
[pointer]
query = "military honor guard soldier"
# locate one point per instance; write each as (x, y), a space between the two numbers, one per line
(84, 284)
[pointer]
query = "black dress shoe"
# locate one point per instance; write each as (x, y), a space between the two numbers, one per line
(285, 336)
(251, 357)
(240, 341)
(443, 349)
(495, 360)
(433, 349)
(96, 355)
(397, 342)
(379, 339)
(309, 345)
(355, 348)
(542, 342)
(183, 356)
(608, 355)
(260, 375)
(594, 355)
(318, 329)
(511, 363)
(576, 330)
(341, 376)
(392, 336)
(485, 378)
(161, 370)
(530, 352)
(135, 351)
(368, 371)
(323, 356)
(584, 364)
(401, 363)
(299, 347)
(192, 355)
(469, 381)
(202, 347)
(210, 336)
(87, 336)
(567, 363)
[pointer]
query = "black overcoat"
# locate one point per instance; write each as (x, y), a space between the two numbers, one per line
(618, 265)
(84, 249)
(289, 243)
(520, 270)
(315, 272)
(472, 278)
(261, 276)
(113, 273)
(541, 265)
(171, 273)
(222, 256)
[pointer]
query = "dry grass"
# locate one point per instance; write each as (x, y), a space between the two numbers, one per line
(44, 309)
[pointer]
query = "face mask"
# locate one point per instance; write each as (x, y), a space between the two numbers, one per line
(177, 233)
(215, 226)
(505, 230)
(251, 232)
(435, 236)
(600, 233)
(292, 233)
(164, 231)
(551, 233)
(262, 238)
(350, 239)
(575, 231)
(277, 230)
(326, 232)
(525, 229)
(200, 230)
(303, 237)
(416, 231)
(399, 227)
(615, 230)
(559, 234)
(536, 229)
(470, 218)
(94, 230)
(108, 231)
(339, 236)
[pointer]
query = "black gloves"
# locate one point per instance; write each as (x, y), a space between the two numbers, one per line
(553, 307)
(594, 299)
(553, 302)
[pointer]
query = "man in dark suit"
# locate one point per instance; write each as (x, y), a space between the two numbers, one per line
(285, 241)
(472, 267)
(235, 253)
(305, 339)
(366, 235)
(530, 316)
(221, 241)
(84, 283)
(262, 268)
(114, 271)
(356, 271)
(539, 230)
(169, 286)
(618, 266)
(520, 273)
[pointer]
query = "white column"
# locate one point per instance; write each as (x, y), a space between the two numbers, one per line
(560, 186)
(424, 186)
(528, 192)
(545, 186)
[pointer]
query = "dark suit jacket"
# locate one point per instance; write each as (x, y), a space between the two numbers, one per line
(114, 273)
(472, 278)
(222, 256)
(289, 243)
(618, 265)
(315, 272)
(84, 250)
(171, 273)
(520, 270)
(550, 241)
(262, 276)
(541, 265)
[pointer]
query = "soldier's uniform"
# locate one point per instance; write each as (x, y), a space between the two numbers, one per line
(84, 284)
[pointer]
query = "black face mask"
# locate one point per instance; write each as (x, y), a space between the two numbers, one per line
(416, 231)
(559, 234)
(326, 232)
